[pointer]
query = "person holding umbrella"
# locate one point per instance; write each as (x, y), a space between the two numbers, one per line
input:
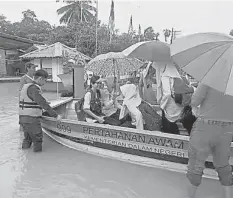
(145, 84)
(207, 57)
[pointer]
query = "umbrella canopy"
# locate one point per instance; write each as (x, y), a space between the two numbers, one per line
(113, 63)
(150, 51)
(208, 57)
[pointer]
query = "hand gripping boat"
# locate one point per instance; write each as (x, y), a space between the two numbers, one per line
(148, 148)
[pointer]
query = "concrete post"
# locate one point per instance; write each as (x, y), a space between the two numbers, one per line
(79, 90)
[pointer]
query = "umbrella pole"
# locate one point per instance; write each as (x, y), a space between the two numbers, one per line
(114, 73)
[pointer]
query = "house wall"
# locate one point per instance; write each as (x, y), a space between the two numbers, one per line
(54, 64)
(14, 63)
(2, 62)
(36, 62)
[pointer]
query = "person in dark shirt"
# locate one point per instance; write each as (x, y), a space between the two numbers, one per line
(30, 111)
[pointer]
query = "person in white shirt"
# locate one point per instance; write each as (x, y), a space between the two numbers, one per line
(165, 74)
(92, 102)
(131, 101)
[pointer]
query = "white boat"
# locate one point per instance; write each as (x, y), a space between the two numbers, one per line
(148, 148)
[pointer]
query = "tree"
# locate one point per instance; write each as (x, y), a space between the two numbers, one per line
(78, 11)
(149, 34)
(4, 24)
(231, 32)
(29, 16)
(157, 36)
(167, 34)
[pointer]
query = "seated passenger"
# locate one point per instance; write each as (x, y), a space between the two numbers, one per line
(131, 101)
(144, 116)
(107, 99)
(92, 104)
(146, 83)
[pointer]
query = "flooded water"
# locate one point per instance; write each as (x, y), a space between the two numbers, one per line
(60, 172)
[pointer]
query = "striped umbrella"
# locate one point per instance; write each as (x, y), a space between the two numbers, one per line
(113, 63)
(208, 57)
(149, 50)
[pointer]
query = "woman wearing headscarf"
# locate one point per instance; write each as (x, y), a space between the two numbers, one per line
(145, 84)
(131, 101)
(143, 115)
(170, 103)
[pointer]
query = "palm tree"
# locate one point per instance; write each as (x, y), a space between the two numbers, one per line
(167, 34)
(77, 11)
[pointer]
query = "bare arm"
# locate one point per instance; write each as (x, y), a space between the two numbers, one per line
(199, 95)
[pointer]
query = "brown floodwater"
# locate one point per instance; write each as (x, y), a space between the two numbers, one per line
(60, 172)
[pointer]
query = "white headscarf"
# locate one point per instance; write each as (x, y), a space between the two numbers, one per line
(162, 70)
(131, 97)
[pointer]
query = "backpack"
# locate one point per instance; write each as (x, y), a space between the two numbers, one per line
(81, 115)
(79, 110)
(181, 91)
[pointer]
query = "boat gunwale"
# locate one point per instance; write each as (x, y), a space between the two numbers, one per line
(137, 131)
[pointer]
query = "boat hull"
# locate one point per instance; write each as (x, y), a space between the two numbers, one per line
(150, 148)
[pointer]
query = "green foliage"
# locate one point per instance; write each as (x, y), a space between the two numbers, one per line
(78, 11)
(77, 33)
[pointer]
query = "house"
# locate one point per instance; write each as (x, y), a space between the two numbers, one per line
(52, 58)
(10, 48)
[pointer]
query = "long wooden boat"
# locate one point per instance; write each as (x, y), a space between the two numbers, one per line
(148, 148)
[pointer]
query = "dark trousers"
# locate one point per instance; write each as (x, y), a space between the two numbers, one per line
(169, 127)
(32, 134)
(114, 120)
(188, 119)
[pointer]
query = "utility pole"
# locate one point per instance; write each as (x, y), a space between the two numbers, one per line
(174, 33)
(96, 28)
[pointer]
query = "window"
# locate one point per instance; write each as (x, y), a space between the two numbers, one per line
(49, 70)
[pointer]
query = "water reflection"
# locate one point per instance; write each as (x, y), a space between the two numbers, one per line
(60, 172)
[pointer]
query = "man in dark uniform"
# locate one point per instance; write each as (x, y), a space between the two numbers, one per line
(30, 111)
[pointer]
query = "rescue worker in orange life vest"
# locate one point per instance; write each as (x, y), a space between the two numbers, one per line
(30, 111)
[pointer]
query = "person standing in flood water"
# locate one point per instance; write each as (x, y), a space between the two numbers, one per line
(27, 78)
(30, 111)
(211, 134)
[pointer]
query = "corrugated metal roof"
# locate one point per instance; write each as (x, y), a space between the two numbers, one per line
(52, 51)
(9, 42)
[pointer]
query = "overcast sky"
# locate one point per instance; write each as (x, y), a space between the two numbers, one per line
(187, 16)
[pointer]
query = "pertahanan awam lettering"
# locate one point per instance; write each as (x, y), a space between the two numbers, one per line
(134, 137)
(137, 146)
